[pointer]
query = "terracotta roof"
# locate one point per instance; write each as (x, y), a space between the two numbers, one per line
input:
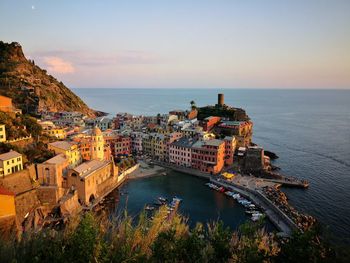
(87, 168)
(58, 159)
(4, 191)
(62, 145)
(96, 131)
(9, 155)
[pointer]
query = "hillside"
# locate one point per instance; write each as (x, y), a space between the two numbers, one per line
(31, 88)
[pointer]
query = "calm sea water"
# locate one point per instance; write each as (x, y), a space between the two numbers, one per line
(309, 130)
(200, 204)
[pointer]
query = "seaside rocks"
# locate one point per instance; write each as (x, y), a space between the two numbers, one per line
(272, 155)
(280, 199)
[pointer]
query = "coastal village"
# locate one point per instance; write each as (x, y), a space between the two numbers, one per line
(61, 163)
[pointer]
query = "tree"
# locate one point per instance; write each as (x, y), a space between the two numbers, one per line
(193, 105)
(85, 245)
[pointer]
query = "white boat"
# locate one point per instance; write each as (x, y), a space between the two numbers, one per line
(236, 196)
(251, 212)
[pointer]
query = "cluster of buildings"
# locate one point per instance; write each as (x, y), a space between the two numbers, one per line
(178, 138)
(87, 151)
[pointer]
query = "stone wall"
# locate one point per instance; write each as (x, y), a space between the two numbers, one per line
(26, 202)
(48, 195)
(19, 182)
(70, 204)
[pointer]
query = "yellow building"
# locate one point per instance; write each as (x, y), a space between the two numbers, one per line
(89, 177)
(59, 133)
(2, 133)
(97, 144)
(70, 150)
(7, 203)
(10, 162)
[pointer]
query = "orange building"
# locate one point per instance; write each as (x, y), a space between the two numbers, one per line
(7, 106)
(209, 122)
(7, 203)
(208, 156)
(94, 146)
(230, 148)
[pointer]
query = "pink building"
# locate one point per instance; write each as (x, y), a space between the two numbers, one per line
(180, 152)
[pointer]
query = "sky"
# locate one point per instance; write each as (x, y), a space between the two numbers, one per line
(185, 43)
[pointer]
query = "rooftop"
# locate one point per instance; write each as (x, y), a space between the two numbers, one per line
(9, 155)
(87, 168)
(62, 145)
(184, 142)
(232, 123)
(214, 142)
(58, 159)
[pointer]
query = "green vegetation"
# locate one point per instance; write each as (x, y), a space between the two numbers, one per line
(234, 114)
(23, 126)
(96, 239)
(126, 163)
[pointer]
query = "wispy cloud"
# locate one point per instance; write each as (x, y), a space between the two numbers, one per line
(87, 59)
(58, 65)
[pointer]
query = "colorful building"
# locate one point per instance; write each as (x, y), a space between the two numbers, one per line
(242, 130)
(208, 156)
(180, 152)
(94, 146)
(10, 162)
(209, 122)
(59, 133)
(230, 148)
(52, 177)
(122, 145)
(7, 106)
(69, 149)
(7, 203)
(89, 177)
(2, 133)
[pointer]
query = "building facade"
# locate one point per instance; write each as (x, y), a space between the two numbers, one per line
(2, 133)
(88, 177)
(69, 149)
(10, 162)
(180, 152)
(208, 156)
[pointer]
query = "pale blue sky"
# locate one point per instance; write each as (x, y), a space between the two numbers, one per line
(197, 44)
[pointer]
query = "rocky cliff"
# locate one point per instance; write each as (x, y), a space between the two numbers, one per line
(31, 88)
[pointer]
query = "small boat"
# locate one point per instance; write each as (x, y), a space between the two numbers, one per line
(236, 196)
(149, 207)
(221, 189)
(229, 193)
(251, 212)
(162, 199)
(256, 216)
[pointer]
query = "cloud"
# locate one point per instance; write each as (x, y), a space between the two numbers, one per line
(58, 65)
(88, 59)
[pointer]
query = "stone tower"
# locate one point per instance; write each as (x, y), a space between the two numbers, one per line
(220, 99)
(97, 144)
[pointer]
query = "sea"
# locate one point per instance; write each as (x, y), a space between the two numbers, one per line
(308, 129)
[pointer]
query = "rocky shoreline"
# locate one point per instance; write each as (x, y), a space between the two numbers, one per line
(278, 198)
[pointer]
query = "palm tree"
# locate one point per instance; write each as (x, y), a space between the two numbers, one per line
(193, 104)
